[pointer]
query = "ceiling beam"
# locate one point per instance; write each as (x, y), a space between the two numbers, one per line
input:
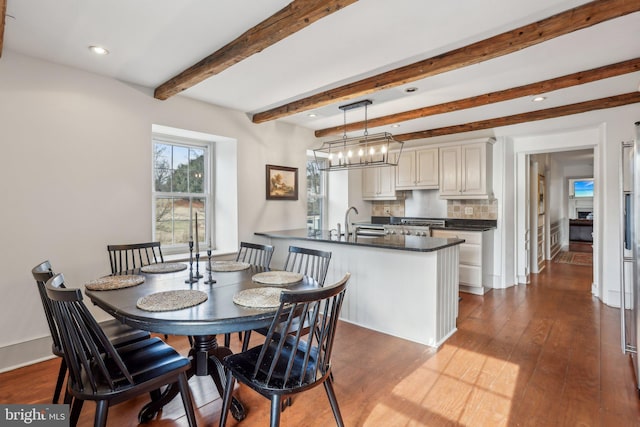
(290, 19)
(537, 88)
(3, 17)
(563, 23)
(532, 116)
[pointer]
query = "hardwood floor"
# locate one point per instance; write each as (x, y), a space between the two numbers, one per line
(546, 354)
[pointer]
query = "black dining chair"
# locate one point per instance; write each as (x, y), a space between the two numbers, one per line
(134, 255)
(254, 254)
(100, 372)
(118, 333)
(291, 362)
(312, 263)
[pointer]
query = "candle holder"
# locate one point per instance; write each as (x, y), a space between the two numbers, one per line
(209, 281)
(191, 279)
(198, 275)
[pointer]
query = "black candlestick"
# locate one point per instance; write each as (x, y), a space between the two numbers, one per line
(191, 279)
(198, 275)
(210, 281)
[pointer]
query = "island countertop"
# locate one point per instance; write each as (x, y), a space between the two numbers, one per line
(404, 243)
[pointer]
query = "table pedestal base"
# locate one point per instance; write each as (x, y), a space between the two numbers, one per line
(206, 359)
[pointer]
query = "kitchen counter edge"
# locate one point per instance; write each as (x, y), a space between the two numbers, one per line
(408, 243)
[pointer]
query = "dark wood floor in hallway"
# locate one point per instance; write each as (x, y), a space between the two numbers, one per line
(546, 354)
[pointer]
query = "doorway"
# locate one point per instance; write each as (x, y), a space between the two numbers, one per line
(530, 224)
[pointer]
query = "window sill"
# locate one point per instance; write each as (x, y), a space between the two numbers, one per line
(184, 257)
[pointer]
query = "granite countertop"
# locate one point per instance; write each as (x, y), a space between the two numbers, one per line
(450, 223)
(405, 243)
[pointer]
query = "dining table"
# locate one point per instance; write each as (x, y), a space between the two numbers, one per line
(217, 313)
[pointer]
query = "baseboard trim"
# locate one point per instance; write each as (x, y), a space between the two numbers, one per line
(25, 353)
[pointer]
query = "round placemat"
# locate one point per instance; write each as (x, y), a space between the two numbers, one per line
(109, 283)
(258, 297)
(277, 277)
(164, 267)
(229, 266)
(171, 300)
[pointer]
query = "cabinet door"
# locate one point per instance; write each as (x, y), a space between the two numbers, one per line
(369, 183)
(427, 168)
(406, 171)
(450, 171)
(386, 182)
(474, 161)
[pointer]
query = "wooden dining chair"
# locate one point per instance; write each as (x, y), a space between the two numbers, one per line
(254, 254)
(100, 372)
(134, 255)
(118, 333)
(312, 263)
(291, 362)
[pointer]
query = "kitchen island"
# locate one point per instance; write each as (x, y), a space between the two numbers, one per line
(406, 286)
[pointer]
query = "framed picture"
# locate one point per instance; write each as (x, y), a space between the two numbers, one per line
(282, 183)
(540, 194)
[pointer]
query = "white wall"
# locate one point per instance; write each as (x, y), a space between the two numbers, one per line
(76, 176)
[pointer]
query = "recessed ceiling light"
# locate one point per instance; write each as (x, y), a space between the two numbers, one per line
(411, 89)
(311, 115)
(539, 98)
(395, 126)
(98, 50)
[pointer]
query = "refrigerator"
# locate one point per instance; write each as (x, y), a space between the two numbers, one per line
(630, 271)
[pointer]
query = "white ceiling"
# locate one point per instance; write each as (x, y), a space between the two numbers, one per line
(150, 41)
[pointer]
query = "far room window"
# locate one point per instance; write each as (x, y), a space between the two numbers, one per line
(181, 188)
(316, 196)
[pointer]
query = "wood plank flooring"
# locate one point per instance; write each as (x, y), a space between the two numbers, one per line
(546, 354)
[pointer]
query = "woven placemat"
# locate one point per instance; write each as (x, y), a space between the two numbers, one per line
(229, 266)
(258, 297)
(171, 300)
(109, 283)
(164, 267)
(277, 277)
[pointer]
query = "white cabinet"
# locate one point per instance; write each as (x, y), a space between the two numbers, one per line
(379, 183)
(466, 171)
(418, 170)
(476, 259)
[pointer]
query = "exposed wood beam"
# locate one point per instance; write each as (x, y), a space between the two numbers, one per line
(290, 19)
(563, 23)
(3, 17)
(537, 88)
(532, 116)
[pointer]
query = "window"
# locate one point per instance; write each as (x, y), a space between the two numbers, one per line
(181, 189)
(316, 196)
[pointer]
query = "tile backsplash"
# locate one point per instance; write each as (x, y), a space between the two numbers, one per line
(387, 208)
(472, 209)
(465, 209)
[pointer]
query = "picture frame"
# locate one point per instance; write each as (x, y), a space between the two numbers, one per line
(282, 183)
(541, 200)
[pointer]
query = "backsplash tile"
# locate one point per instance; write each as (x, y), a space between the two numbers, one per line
(387, 208)
(480, 209)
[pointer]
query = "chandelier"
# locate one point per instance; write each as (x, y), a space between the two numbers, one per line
(366, 151)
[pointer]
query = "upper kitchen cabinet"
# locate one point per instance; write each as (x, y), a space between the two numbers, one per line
(417, 170)
(466, 171)
(379, 183)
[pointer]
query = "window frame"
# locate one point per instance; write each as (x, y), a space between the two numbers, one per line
(209, 149)
(324, 191)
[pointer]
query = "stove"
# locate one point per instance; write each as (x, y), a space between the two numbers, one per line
(412, 226)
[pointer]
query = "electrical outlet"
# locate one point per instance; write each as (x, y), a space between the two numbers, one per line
(468, 211)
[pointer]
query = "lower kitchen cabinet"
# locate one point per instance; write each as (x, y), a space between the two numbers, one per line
(476, 259)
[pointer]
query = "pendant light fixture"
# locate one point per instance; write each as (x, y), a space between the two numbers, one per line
(365, 151)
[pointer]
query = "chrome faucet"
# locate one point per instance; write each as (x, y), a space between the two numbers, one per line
(346, 221)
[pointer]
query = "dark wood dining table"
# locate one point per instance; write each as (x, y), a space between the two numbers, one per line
(217, 315)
